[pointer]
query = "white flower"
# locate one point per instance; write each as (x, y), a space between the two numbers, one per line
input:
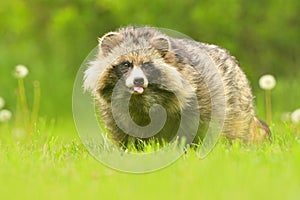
(267, 82)
(2, 103)
(5, 115)
(296, 116)
(21, 71)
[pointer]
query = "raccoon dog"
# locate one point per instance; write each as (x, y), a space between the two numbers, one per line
(150, 68)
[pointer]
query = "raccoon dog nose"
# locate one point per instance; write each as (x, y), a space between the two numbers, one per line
(138, 82)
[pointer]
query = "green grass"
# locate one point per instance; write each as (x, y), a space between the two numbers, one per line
(52, 166)
(52, 163)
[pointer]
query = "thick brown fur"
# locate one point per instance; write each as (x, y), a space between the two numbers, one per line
(171, 62)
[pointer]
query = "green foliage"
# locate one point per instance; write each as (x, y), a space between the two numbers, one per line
(52, 38)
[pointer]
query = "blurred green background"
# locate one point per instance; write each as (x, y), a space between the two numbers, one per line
(52, 38)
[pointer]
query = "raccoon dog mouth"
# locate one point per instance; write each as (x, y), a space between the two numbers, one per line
(138, 89)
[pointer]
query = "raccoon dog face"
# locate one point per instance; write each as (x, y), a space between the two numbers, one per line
(141, 61)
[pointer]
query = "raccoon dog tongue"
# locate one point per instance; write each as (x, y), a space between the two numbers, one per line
(139, 90)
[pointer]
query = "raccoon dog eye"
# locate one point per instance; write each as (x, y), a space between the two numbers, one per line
(151, 70)
(122, 68)
(127, 64)
(147, 64)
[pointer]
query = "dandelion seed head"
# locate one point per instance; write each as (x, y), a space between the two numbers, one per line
(296, 116)
(2, 103)
(5, 115)
(267, 82)
(21, 71)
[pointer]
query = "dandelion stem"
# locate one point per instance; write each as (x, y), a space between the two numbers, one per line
(23, 101)
(268, 106)
(36, 102)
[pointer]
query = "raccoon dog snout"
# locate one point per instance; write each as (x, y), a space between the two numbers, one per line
(136, 78)
(139, 82)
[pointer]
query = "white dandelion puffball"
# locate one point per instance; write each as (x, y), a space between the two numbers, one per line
(5, 115)
(267, 82)
(2, 103)
(296, 116)
(21, 71)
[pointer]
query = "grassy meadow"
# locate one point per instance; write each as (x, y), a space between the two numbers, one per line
(41, 153)
(52, 163)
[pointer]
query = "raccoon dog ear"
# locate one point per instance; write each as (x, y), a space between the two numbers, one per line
(162, 44)
(109, 41)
